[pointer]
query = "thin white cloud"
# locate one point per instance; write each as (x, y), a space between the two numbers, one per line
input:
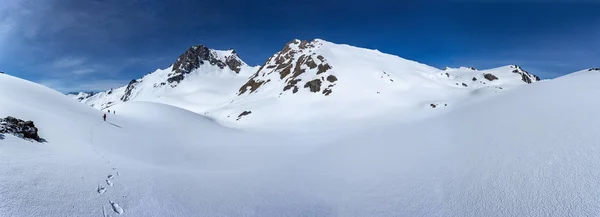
(91, 85)
(68, 62)
(84, 71)
(74, 66)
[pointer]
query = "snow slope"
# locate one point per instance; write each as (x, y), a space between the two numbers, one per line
(147, 160)
(500, 156)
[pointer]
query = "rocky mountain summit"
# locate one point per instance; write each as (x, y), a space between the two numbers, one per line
(298, 66)
(198, 55)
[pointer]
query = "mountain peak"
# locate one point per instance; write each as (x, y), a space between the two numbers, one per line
(299, 60)
(525, 76)
(197, 55)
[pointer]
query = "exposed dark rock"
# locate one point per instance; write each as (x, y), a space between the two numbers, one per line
(473, 68)
(331, 78)
(198, 55)
(285, 72)
(298, 70)
(252, 84)
(234, 63)
(128, 90)
(291, 84)
(323, 68)
(433, 105)
(311, 63)
(314, 85)
(464, 85)
(447, 75)
(594, 69)
(243, 114)
(525, 78)
(490, 77)
(176, 79)
(290, 64)
(327, 91)
(474, 79)
(20, 128)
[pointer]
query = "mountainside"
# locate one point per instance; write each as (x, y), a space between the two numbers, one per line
(323, 80)
(307, 80)
(503, 156)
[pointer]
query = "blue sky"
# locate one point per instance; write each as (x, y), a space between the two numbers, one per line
(73, 45)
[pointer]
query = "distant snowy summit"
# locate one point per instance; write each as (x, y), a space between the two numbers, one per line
(196, 60)
(301, 75)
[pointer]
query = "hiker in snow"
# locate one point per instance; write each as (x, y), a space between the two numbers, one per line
(104, 117)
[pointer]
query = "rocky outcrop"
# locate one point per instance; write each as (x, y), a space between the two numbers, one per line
(244, 113)
(297, 58)
(594, 69)
(128, 90)
(196, 56)
(19, 128)
(525, 76)
(490, 77)
(314, 85)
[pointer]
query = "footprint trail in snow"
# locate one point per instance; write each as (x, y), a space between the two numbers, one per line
(101, 189)
(116, 207)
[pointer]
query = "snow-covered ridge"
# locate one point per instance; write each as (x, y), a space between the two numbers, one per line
(302, 75)
(197, 67)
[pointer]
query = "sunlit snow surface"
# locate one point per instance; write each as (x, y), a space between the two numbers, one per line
(529, 151)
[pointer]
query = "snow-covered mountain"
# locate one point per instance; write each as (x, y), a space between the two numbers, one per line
(503, 156)
(308, 80)
(199, 71)
(324, 80)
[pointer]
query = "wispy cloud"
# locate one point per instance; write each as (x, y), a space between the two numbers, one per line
(84, 85)
(75, 66)
(68, 62)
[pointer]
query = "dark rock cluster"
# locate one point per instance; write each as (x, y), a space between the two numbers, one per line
(525, 76)
(244, 113)
(290, 63)
(199, 55)
(128, 90)
(20, 128)
(490, 77)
